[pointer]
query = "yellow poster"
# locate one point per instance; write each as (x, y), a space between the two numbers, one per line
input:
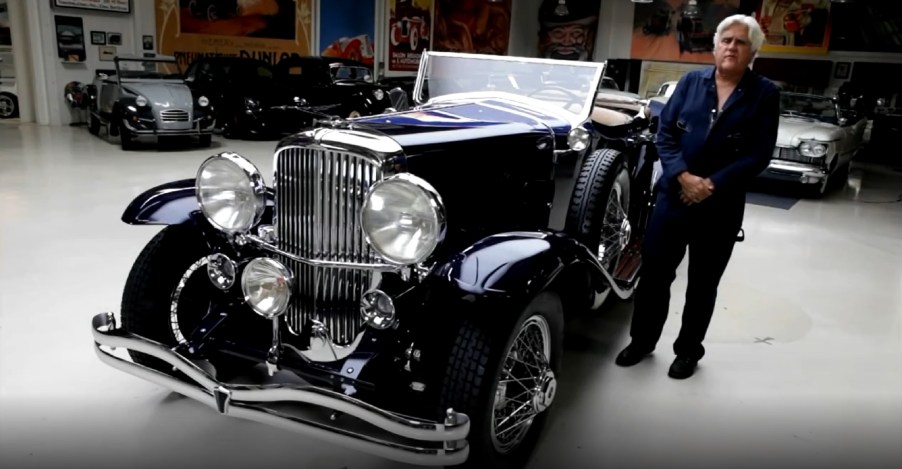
(267, 30)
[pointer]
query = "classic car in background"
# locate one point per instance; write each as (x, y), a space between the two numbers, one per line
(373, 288)
(333, 85)
(816, 142)
(147, 97)
(9, 99)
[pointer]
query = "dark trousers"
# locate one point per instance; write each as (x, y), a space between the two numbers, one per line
(709, 231)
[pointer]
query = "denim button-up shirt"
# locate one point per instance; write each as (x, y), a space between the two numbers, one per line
(731, 147)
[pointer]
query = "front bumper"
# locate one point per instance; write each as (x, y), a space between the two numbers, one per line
(200, 126)
(372, 430)
(795, 172)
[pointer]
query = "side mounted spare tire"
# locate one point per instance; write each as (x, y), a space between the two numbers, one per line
(598, 214)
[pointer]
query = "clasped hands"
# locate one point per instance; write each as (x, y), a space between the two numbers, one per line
(694, 189)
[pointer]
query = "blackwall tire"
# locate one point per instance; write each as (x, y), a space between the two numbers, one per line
(9, 106)
(481, 358)
(599, 206)
(157, 280)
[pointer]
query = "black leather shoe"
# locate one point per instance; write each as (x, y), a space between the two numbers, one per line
(631, 355)
(682, 367)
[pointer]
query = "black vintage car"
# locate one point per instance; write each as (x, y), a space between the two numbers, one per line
(253, 98)
(398, 286)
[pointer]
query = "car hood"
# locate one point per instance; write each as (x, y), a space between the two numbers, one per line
(795, 129)
(164, 95)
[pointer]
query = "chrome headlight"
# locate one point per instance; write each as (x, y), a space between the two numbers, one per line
(203, 101)
(813, 149)
(403, 218)
(578, 139)
(141, 101)
(378, 94)
(231, 192)
(267, 285)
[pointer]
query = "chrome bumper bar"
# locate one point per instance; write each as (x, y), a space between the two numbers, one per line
(427, 443)
(805, 173)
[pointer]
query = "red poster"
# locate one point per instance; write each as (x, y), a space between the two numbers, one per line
(472, 26)
(409, 32)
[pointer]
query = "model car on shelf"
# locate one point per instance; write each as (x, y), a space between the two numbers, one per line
(397, 283)
(147, 97)
(816, 141)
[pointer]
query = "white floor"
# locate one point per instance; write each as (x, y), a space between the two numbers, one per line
(804, 364)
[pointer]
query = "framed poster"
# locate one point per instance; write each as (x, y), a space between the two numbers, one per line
(106, 53)
(98, 38)
(793, 26)
(348, 36)
(115, 6)
(70, 38)
(676, 31)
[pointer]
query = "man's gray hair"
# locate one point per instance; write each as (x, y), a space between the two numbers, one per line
(756, 35)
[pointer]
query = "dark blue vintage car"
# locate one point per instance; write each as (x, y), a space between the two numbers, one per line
(399, 278)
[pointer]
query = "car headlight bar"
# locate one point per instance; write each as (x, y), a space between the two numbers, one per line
(814, 149)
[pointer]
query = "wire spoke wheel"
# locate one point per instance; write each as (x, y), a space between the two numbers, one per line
(526, 386)
(615, 228)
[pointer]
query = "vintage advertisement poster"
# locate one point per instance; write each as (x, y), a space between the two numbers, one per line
(472, 26)
(567, 29)
(262, 29)
(795, 26)
(409, 33)
(347, 35)
(678, 30)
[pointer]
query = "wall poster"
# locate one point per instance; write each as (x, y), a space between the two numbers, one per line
(472, 26)
(795, 26)
(678, 30)
(268, 30)
(116, 6)
(346, 35)
(409, 33)
(567, 29)
(70, 38)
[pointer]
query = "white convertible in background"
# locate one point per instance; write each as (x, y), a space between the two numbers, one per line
(816, 142)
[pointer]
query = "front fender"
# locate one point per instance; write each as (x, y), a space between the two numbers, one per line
(172, 203)
(519, 265)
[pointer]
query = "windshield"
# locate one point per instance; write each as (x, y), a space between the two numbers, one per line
(148, 69)
(813, 107)
(343, 72)
(565, 85)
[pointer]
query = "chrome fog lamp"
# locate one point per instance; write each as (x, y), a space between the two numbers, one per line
(403, 219)
(813, 149)
(377, 309)
(231, 192)
(203, 101)
(578, 139)
(267, 284)
(221, 270)
(141, 101)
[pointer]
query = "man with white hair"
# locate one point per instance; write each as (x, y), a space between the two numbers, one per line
(717, 133)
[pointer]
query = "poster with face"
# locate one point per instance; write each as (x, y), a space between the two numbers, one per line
(472, 26)
(567, 29)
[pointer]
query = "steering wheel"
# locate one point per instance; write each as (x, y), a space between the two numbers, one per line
(574, 100)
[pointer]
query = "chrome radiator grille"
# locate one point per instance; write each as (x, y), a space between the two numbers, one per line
(174, 115)
(319, 194)
(792, 154)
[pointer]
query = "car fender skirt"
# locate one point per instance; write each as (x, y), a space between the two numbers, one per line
(522, 264)
(172, 203)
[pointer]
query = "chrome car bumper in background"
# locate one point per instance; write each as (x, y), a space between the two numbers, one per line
(198, 128)
(795, 172)
(394, 437)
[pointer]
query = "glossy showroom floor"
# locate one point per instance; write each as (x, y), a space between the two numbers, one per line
(804, 365)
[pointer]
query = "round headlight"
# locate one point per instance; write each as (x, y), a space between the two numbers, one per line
(812, 149)
(578, 139)
(141, 101)
(267, 285)
(203, 101)
(231, 192)
(403, 219)
(379, 95)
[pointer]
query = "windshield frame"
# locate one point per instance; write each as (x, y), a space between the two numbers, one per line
(573, 118)
(827, 120)
(176, 77)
